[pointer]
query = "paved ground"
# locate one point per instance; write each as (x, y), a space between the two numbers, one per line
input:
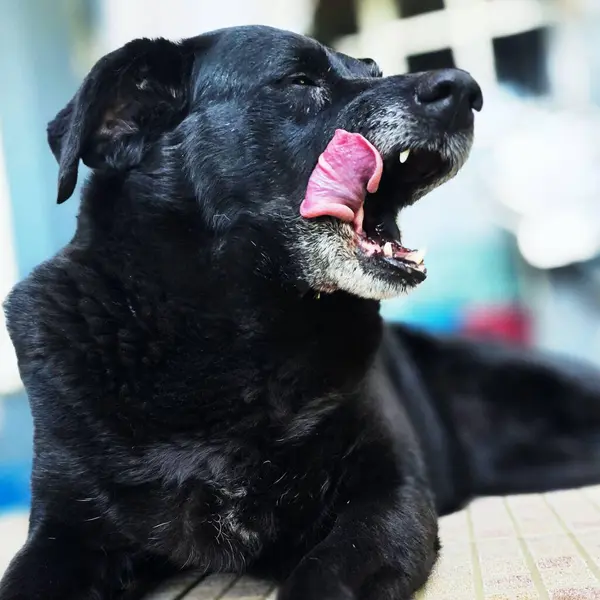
(543, 547)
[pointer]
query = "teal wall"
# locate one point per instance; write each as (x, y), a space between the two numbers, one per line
(36, 80)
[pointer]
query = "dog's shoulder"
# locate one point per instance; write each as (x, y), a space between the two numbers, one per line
(41, 302)
(79, 322)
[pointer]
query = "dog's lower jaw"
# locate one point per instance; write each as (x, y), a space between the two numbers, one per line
(354, 279)
(328, 258)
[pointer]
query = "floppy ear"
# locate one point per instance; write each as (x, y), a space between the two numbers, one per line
(129, 98)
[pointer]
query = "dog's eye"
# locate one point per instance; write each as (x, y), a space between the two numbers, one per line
(301, 80)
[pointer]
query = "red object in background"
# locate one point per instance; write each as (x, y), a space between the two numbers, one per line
(504, 323)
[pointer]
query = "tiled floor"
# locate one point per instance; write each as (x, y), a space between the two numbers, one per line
(543, 547)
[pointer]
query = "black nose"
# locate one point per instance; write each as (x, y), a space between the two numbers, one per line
(449, 95)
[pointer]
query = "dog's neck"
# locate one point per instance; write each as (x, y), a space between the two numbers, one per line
(227, 292)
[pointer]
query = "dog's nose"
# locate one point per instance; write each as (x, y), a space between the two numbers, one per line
(449, 95)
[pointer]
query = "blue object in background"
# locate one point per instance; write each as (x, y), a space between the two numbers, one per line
(16, 433)
(14, 485)
(442, 317)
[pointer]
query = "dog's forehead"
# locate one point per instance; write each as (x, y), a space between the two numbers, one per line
(267, 48)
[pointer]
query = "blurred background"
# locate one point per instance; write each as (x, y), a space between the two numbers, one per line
(513, 242)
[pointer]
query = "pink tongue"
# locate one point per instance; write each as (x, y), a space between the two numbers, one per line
(348, 169)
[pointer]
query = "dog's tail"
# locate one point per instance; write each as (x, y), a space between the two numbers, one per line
(513, 421)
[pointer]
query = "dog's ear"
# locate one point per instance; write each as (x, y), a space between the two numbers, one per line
(129, 98)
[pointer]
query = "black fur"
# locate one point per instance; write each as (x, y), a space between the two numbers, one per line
(197, 403)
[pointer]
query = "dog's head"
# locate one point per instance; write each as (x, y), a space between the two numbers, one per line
(268, 131)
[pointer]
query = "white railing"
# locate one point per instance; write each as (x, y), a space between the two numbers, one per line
(467, 27)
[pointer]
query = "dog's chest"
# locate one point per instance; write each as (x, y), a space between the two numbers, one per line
(230, 525)
(254, 514)
(231, 519)
(227, 504)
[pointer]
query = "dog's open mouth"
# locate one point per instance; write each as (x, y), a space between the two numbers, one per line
(353, 183)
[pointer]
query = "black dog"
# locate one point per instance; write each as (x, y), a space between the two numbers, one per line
(210, 380)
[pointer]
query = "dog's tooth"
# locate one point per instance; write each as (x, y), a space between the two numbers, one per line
(404, 156)
(388, 250)
(358, 220)
(417, 257)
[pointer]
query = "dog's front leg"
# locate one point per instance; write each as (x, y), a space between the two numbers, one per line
(56, 563)
(380, 549)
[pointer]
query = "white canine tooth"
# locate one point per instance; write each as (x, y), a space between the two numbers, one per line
(388, 250)
(404, 156)
(358, 220)
(417, 257)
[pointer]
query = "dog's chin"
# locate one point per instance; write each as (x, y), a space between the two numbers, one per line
(371, 261)
(332, 260)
